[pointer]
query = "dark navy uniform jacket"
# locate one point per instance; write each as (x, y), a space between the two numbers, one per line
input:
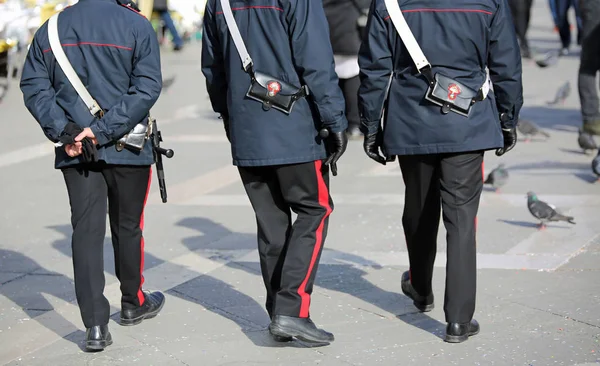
(459, 38)
(115, 52)
(287, 39)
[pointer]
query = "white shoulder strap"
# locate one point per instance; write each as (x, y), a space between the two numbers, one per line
(67, 68)
(406, 34)
(235, 34)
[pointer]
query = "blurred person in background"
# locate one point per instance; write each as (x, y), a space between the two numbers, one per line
(347, 20)
(560, 14)
(521, 13)
(162, 8)
(589, 66)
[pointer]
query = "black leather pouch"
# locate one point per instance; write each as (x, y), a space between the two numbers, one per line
(274, 93)
(451, 95)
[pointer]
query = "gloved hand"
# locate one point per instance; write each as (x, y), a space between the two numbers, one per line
(69, 133)
(373, 144)
(510, 140)
(89, 151)
(88, 148)
(335, 143)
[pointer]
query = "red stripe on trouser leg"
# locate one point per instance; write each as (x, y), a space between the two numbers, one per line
(140, 294)
(323, 194)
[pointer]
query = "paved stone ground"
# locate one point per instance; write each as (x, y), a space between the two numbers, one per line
(538, 292)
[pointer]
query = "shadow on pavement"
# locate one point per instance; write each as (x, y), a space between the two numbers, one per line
(346, 277)
(27, 284)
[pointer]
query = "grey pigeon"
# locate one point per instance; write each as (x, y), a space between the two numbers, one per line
(530, 129)
(545, 212)
(168, 82)
(586, 142)
(561, 94)
(596, 165)
(497, 177)
(547, 59)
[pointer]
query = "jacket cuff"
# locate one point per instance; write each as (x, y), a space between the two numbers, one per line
(101, 137)
(338, 125)
(369, 127)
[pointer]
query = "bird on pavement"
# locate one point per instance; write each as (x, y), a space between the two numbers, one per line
(497, 178)
(168, 82)
(596, 165)
(561, 94)
(547, 59)
(544, 211)
(530, 129)
(586, 142)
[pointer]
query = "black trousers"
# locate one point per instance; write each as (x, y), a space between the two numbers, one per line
(350, 90)
(521, 13)
(125, 189)
(454, 182)
(590, 61)
(289, 252)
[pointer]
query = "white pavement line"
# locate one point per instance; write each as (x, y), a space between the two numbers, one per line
(26, 154)
(185, 191)
(35, 334)
(47, 148)
(513, 200)
(198, 138)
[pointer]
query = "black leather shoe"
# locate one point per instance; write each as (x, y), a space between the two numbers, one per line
(457, 333)
(153, 303)
(97, 338)
(423, 303)
(302, 328)
(276, 337)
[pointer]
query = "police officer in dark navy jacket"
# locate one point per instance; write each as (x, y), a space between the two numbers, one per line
(115, 53)
(440, 147)
(281, 154)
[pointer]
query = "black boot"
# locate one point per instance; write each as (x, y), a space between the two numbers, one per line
(153, 303)
(302, 328)
(457, 332)
(97, 338)
(423, 303)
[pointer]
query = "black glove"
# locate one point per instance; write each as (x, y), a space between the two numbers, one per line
(69, 133)
(372, 144)
(89, 151)
(335, 143)
(510, 140)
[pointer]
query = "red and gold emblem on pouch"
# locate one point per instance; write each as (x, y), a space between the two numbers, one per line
(453, 91)
(273, 87)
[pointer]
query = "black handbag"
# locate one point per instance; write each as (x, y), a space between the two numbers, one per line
(274, 93)
(451, 95)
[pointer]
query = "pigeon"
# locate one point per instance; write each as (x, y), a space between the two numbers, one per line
(547, 59)
(530, 129)
(586, 142)
(596, 165)
(561, 94)
(545, 212)
(497, 177)
(168, 82)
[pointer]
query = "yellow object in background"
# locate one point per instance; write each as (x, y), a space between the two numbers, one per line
(47, 11)
(146, 7)
(6, 44)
